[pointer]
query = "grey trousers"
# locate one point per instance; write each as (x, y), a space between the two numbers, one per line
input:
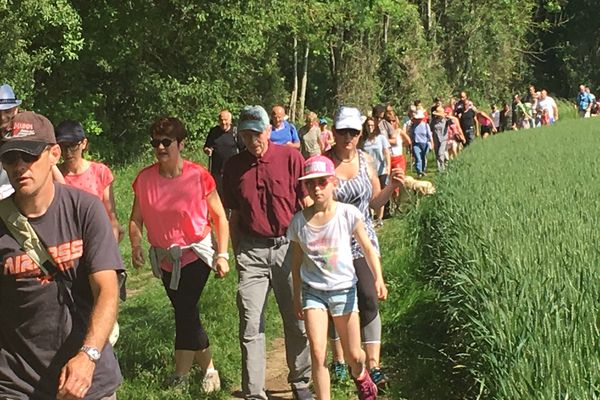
(440, 153)
(262, 265)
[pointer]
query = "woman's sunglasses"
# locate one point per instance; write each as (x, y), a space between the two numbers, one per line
(12, 157)
(69, 146)
(347, 132)
(165, 142)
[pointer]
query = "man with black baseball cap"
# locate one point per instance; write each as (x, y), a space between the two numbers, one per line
(54, 320)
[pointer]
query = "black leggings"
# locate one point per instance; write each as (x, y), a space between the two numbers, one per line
(189, 332)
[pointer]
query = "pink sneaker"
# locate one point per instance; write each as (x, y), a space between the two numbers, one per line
(367, 390)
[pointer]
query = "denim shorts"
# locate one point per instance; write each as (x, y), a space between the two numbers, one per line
(337, 302)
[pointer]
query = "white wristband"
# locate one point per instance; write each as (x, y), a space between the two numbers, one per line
(222, 255)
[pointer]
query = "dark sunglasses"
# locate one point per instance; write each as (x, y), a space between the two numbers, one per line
(69, 146)
(165, 142)
(12, 157)
(347, 132)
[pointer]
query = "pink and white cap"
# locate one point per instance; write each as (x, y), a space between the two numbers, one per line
(317, 167)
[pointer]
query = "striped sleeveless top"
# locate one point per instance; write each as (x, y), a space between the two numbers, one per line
(358, 192)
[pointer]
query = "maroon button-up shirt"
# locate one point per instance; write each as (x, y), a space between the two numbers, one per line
(264, 191)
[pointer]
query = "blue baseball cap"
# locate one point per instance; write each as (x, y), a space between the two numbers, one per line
(253, 118)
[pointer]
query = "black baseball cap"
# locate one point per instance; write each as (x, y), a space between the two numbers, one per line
(70, 131)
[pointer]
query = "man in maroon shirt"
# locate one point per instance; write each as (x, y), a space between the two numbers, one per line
(261, 187)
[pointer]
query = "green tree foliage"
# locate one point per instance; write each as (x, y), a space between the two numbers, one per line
(37, 35)
(118, 65)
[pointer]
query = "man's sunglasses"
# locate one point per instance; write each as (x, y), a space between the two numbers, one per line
(347, 132)
(12, 157)
(165, 142)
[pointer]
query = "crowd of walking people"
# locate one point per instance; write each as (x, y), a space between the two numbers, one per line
(301, 208)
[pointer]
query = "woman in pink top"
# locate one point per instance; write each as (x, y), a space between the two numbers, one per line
(176, 200)
(89, 176)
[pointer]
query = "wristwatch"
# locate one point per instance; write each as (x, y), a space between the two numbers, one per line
(222, 255)
(92, 352)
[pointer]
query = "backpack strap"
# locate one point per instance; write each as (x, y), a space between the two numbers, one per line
(27, 238)
(25, 235)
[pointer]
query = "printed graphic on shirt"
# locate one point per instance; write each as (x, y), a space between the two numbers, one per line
(64, 255)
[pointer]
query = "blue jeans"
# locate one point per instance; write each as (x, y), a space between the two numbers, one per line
(420, 151)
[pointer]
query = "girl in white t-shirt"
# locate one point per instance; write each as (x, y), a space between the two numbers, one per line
(324, 278)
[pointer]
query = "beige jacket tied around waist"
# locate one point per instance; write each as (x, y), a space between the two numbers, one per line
(203, 249)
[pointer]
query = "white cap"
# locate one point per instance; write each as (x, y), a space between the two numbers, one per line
(348, 118)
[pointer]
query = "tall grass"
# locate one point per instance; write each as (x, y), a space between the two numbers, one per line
(510, 239)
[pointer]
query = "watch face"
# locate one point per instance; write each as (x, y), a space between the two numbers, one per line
(93, 353)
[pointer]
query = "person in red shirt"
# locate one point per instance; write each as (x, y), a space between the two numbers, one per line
(176, 200)
(261, 187)
(89, 176)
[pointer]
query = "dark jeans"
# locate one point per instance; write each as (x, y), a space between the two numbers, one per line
(469, 135)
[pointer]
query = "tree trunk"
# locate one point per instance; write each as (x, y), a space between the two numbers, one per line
(304, 83)
(429, 17)
(386, 26)
(294, 96)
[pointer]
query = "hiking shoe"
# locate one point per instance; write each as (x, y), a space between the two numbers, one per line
(177, 382)
(302, 393)
(378, 377)
(211, 382)
(338, 371)
(367, 390)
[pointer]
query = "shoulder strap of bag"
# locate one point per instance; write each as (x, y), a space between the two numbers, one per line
(25, 235)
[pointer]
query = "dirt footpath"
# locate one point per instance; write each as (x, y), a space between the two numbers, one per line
(277, 371)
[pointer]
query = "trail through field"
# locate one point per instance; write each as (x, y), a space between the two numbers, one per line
(276, 375)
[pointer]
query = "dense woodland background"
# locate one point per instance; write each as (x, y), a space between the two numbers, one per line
(118, 64)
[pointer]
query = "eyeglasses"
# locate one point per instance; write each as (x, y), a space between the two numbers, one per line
(12, 157)
(69, 146)
(320, 182)
(165, 142)
(347, 132)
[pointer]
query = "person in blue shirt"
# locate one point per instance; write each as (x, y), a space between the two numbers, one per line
(422, 140)
(584, 102)
(282, 132)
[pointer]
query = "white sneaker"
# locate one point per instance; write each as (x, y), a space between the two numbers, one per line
(211, 382)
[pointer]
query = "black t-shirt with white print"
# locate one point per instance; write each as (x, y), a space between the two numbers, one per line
(38, 332)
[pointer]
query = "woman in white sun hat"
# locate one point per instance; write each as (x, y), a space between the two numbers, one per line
(358, 184)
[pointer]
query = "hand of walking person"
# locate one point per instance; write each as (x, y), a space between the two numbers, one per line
(397, 176)
(76, 378)
(381, 289)
(221, 267)
(137, 256)
(298, 308)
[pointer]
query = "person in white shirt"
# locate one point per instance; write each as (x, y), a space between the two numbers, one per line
(548, 104)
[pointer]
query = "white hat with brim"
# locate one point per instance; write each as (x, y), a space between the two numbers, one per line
(8, 99)
(348, 118)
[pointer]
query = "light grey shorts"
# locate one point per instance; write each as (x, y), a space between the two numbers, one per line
(337, 302)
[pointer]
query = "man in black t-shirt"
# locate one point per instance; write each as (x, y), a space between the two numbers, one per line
(221, 143)
(467, 121)
(54, 327)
